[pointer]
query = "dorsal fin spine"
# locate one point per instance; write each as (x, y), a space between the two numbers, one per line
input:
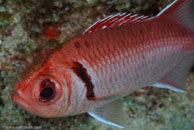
(115, 20)
(125, 19)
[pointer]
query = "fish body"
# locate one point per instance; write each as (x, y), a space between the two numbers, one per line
(90, 71)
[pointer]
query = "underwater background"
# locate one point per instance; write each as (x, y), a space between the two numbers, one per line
(21, 33)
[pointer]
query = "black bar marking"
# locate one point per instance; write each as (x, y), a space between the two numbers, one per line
(81, 72)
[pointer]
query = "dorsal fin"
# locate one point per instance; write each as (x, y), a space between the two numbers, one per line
(180, 12)
(37, 58)
(115, 20)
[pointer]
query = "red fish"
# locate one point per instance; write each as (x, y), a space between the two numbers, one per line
(114, 57)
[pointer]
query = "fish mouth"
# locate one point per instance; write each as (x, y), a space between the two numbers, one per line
(19, 100)
(16, 97)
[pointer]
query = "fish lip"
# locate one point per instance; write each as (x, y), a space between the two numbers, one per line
(14, 96)
(22, 102)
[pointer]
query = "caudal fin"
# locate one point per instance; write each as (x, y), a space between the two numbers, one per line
(180, 12)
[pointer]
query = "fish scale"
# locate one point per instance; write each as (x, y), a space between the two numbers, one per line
(133, 50)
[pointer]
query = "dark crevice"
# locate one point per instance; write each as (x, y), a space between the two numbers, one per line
(192, 69)
(1, 88)
(1, 102)
(81, 72)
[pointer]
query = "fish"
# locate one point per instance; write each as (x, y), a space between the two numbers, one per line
(112, 58)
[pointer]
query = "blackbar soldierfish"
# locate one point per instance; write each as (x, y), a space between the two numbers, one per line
(115, 56)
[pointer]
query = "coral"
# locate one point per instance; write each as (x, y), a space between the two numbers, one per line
(21, 26)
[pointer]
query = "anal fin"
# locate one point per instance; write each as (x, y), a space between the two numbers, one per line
(176, 79)
(111, 114)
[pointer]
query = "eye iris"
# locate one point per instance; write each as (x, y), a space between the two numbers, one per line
(47, 93)
(47, 88)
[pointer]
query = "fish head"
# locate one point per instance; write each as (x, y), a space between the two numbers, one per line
(46, 93)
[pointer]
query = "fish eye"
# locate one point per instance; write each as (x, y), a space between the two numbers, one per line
(46, 93)
(47, 90)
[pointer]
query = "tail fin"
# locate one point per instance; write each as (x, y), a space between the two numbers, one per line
(180, 12)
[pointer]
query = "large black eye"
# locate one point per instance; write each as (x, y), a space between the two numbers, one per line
(47, 93)
(47, 90)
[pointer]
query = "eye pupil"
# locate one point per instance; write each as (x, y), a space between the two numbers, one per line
(47, 90)
(47, 93)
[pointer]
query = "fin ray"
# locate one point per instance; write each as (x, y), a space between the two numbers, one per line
(115, 20)
(103, 120)
(111, 114)
(180, 12)
(176, 79)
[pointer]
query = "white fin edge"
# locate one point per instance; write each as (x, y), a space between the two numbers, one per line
(104, 121)
(115, 20)
(166, 86)
(167, 7)
(180, 12)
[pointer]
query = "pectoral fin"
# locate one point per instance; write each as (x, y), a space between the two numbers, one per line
(111, 114)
